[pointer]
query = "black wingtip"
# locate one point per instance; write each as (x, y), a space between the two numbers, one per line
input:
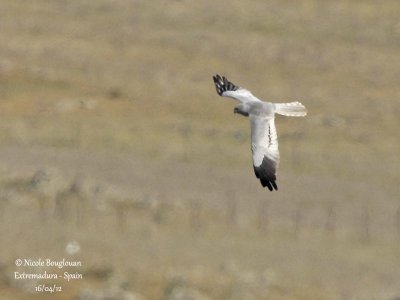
(266, 173)
(222, 84)
(275, 186)
(270, 184)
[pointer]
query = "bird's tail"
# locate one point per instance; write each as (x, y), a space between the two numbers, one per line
(292, 109)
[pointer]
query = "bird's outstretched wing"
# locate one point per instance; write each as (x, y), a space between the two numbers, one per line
(226, 88)
(264, 146)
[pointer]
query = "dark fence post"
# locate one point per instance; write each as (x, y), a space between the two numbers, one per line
(366, 224)
(262, 224)
(330, 225)
(195, 207)
(297, 220)
(231, 210)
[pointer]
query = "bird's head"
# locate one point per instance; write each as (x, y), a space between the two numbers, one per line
(239, 110)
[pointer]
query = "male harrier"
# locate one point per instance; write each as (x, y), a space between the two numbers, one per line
(264, 140)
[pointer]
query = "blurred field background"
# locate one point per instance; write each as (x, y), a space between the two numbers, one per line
(112, 137)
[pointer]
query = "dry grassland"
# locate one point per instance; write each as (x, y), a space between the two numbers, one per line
(112, 135)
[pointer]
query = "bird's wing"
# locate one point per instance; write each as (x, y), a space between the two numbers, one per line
(226, 88)
(264, 146)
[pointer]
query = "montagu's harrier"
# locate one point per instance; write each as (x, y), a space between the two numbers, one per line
(264, 140)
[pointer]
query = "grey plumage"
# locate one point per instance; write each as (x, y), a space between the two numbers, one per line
(264, 140)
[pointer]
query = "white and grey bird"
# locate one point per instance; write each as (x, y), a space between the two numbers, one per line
(264, 139)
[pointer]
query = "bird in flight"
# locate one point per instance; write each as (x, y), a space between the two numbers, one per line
(264, 140)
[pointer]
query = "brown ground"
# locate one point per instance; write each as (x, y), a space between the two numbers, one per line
(150, 172)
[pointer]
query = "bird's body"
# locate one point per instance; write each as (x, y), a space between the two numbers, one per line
(264, 140)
